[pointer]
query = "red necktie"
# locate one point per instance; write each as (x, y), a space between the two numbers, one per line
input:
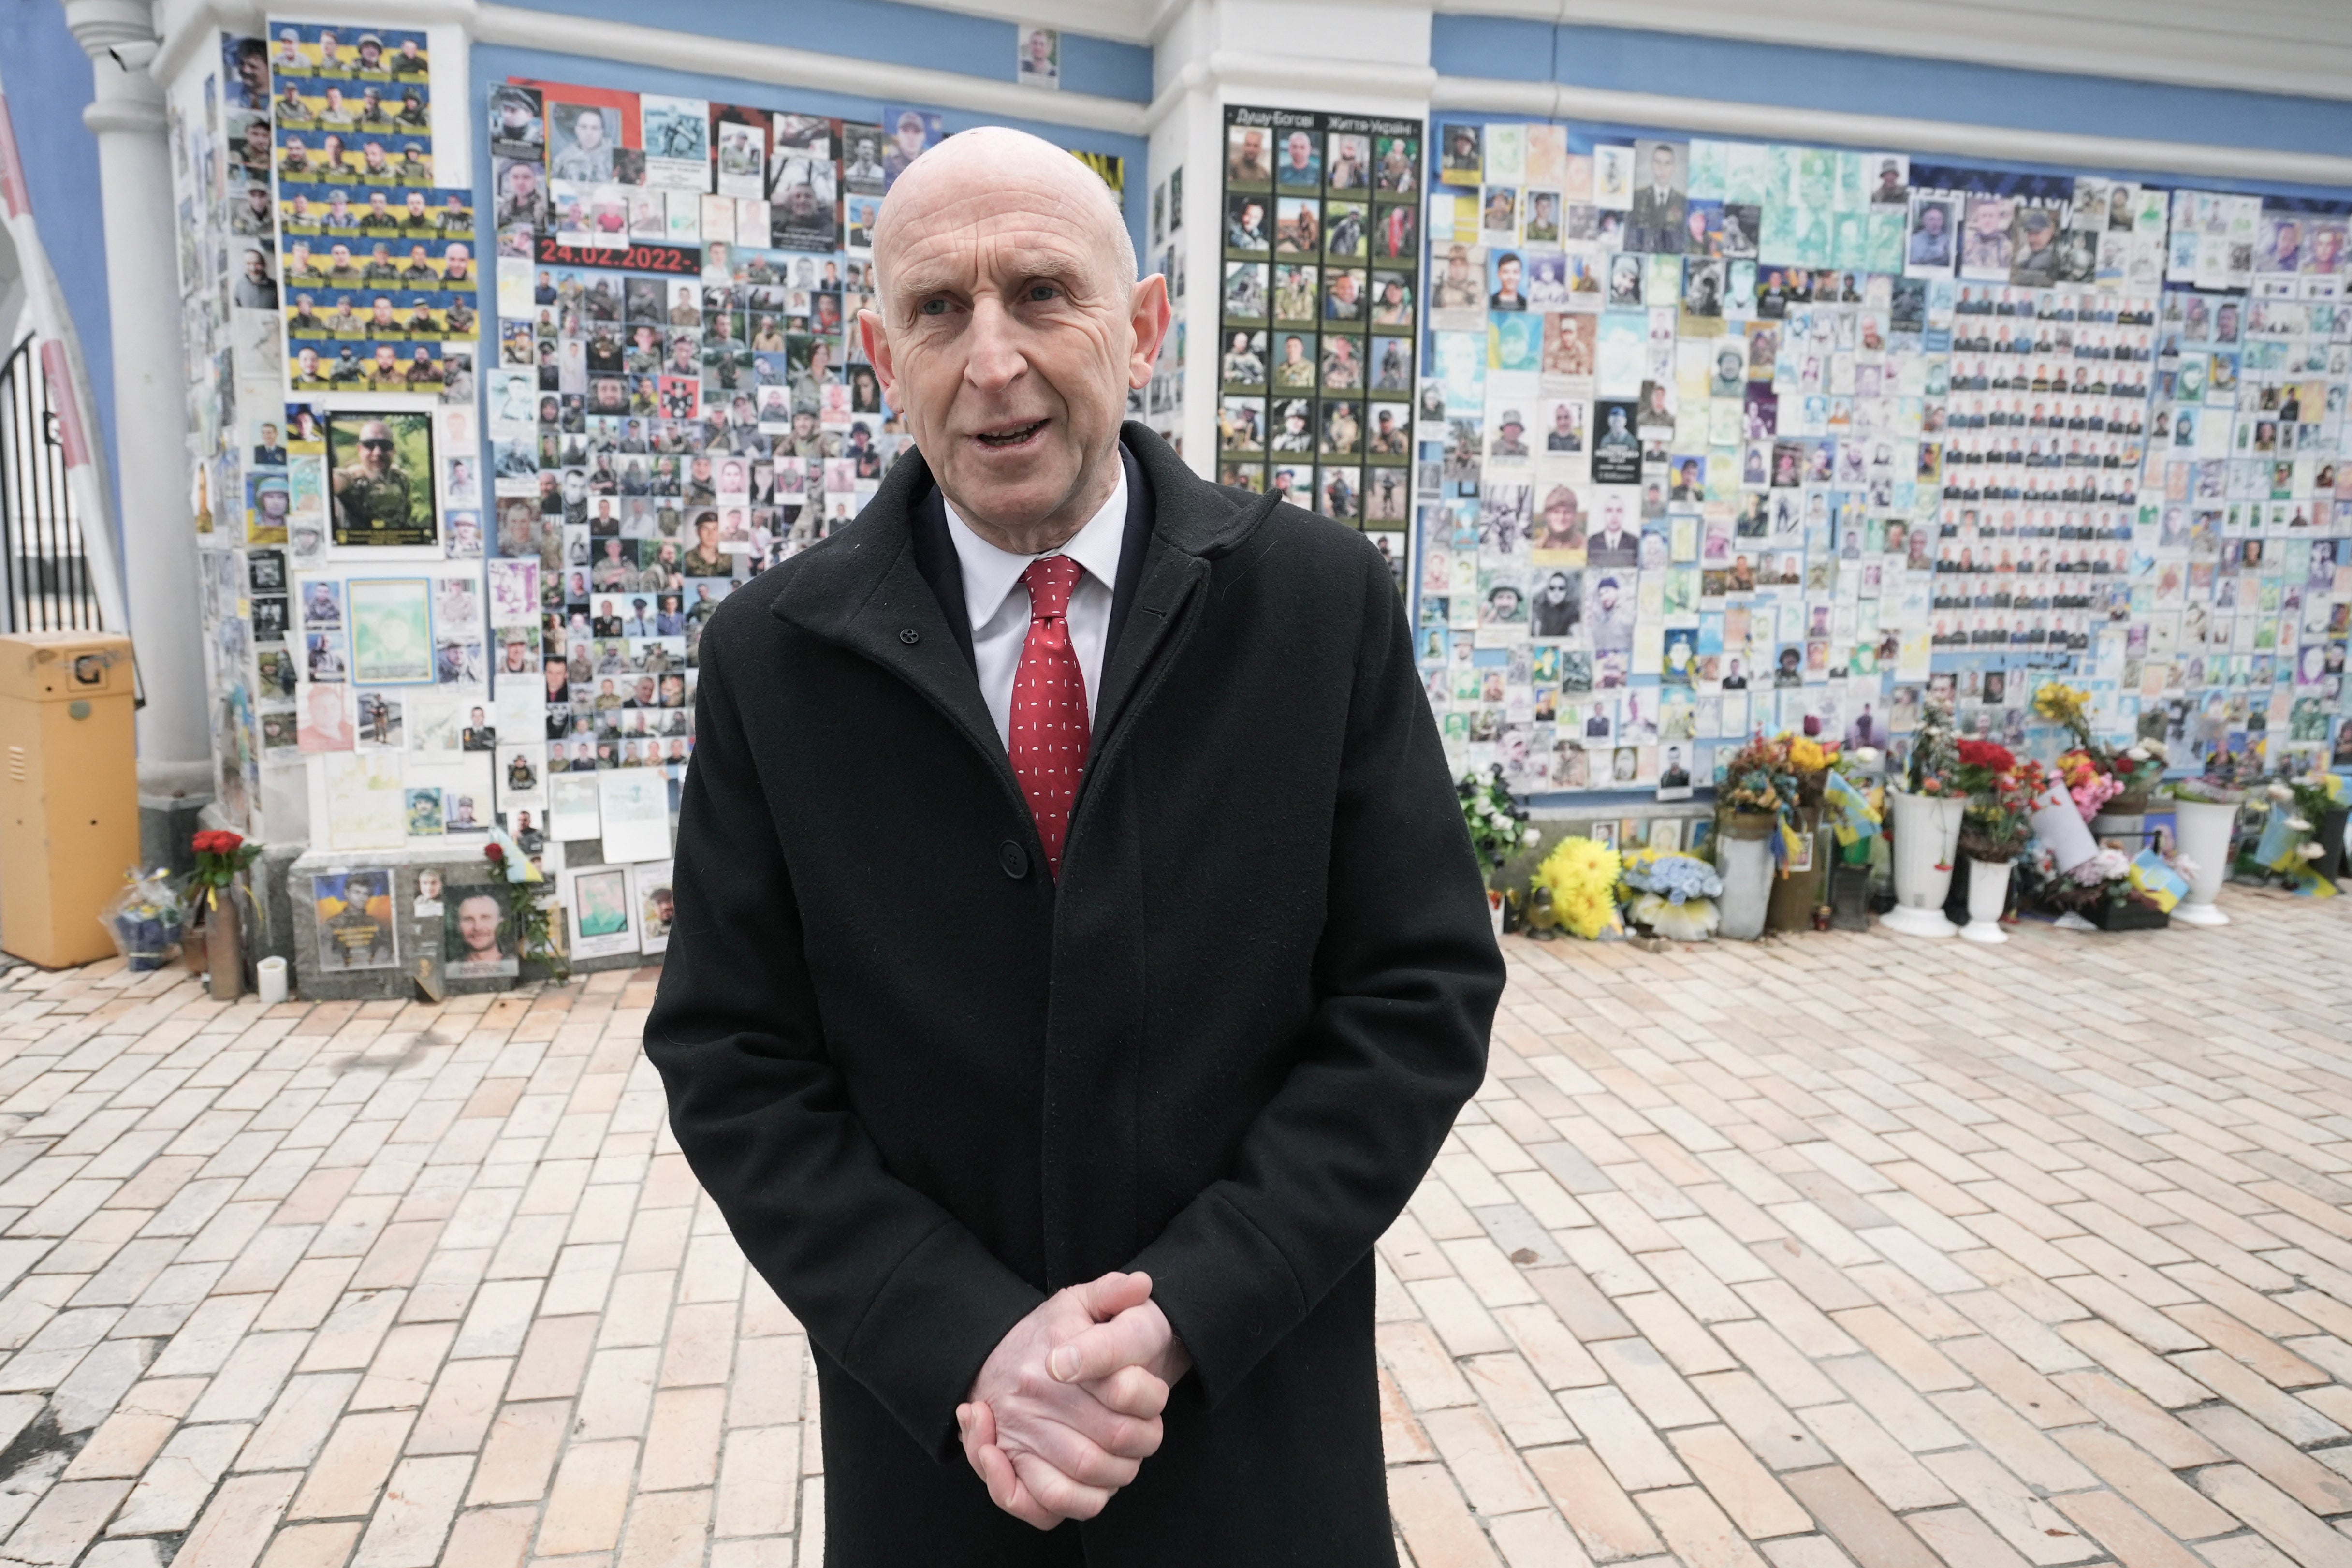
(1049, 733)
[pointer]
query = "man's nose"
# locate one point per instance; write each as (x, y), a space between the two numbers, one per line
(993, 359)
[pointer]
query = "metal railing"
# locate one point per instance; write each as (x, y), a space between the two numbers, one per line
(42, 567)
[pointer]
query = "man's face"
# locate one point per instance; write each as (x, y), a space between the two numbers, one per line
(375, 446)
(910, 137)
(1662, 166)
(1007, 335)
(1931, 220)
(1299, 149)
(588, 131)
(478, 926)
(1506, 274)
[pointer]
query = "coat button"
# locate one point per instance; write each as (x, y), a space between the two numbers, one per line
(910, 636)
(1013, 858)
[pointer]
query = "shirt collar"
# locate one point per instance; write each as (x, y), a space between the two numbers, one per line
(990, 573)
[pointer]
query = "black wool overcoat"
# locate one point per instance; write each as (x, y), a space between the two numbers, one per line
(925, 1085)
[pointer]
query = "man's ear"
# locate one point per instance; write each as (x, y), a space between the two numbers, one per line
(1148, 317)
(878, 351)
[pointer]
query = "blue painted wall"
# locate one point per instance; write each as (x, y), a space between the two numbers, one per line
(1852, 81)
(48, 84)
(49, 81)
(898, 34)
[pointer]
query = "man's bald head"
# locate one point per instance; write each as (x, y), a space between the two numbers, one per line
(990, 160)
(1009, 328)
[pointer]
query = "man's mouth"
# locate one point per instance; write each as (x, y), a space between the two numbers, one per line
(1010, 437)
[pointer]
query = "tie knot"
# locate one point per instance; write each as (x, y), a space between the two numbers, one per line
(1050, 580)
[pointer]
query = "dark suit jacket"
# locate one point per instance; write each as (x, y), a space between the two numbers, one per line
(925, 1086)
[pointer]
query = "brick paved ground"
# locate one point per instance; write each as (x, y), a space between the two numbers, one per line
(1835, 1251)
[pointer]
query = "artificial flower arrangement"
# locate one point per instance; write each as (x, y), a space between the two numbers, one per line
(1764, 777)
(1934, 762)
(2289, 845)
(2106, 878)
(1497, 821)
(221, 856)
(2099, 776)
(534, 919)
(1575, 889)
(1672, 894)
(1853, 802)
(2224, 780)
(2003, 790)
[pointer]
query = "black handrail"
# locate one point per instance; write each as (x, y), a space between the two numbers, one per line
(42, 566)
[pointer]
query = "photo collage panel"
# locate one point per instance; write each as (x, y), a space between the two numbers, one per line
(680, 396)
(1321, 290)
(1718, 437)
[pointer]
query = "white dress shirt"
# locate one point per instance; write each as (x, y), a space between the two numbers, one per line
(998, 604)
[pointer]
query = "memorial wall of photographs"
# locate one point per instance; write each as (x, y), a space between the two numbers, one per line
(1320, 288)
(1716, 437)
(1161, 404)
(680, 397)
(328, 307)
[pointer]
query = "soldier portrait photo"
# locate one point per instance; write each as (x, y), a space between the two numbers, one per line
(382, 479)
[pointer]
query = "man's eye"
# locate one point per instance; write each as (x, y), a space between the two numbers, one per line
(1044, 292)
(935, 307)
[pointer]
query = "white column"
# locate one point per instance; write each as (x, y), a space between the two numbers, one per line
(151, 430)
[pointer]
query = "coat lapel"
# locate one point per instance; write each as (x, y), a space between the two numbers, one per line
(865, 589)
(1193, 522)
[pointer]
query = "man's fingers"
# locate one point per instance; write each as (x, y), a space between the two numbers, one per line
(1007, 1492)
(1114, 1293)
(1130, 1339)
(1131, 1391)
(1083, 1456)
(1057, 1493)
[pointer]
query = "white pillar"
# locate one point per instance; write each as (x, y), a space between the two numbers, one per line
(151, 427)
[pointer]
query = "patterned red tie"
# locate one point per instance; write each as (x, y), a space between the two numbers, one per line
(1049, 733)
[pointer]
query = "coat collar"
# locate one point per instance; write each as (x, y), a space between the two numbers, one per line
(863, 588)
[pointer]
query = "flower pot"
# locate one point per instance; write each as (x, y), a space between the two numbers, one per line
(2328, 834)
(1927, 837)
(1743, 857)
(1796, 895)
(2061, 829)
(1988, 897)
(2126, 914)
(1850, 898)
(2204, 829)
(224, 946)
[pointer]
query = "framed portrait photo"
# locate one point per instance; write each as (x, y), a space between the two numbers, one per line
(391, 631)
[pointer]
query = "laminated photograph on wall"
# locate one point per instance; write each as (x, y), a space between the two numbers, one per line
(596, 899)
(391, 630)
(353, 913)
(380, 478)
(656, 907)
(478, 940)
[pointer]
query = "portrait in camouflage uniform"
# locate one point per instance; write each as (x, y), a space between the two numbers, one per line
(382, 478)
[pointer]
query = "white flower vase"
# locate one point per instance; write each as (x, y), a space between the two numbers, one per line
(1927, 837)
(1988, 896)
(2062, 830)
(1494, 911)
(1743, 857)
(2204, 829)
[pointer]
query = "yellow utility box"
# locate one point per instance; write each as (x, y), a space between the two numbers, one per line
(68, 792)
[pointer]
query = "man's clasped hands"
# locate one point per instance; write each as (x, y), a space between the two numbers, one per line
(1066, 1408)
